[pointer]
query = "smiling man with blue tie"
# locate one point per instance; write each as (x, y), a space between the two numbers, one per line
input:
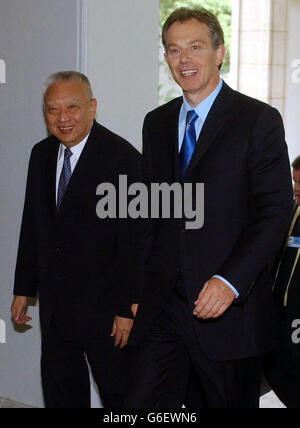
(206, 302)
(81, 266)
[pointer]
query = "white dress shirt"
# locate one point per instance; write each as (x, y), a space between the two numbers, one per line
(76, 152)
(202, 111)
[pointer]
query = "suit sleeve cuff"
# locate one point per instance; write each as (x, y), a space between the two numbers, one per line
(124, 312)
(229, 285)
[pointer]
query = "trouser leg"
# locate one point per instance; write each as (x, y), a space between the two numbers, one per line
(225, 384)
(171, 346)
(109, 367)
(159, 369)
(282, 371)
(65, 376)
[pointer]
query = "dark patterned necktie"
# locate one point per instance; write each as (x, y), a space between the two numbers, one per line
(189, 142)
(64, 177)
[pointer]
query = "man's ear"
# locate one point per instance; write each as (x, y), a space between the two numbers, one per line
(220, 54)
(166, 58)
(94, 106)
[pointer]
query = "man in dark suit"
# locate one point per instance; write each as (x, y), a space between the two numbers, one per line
(206, 300)
(80, 265)
(282, 366)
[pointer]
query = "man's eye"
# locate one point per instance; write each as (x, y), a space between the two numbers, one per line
(73, 106)
(174, 51)
(195, 47)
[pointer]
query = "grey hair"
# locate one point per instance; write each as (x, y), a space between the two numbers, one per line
(69, 75)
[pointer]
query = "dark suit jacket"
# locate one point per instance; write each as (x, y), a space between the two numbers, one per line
(293, 313)
(287, 297)
(282, 366)
(80, 265)
(241, 157)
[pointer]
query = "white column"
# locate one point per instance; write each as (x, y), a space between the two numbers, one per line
(262, 50)
(255, 48)
(278, 61)
(292, 107)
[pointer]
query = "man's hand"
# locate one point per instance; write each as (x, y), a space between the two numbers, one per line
(121, 329)
(213, 300)
(19, 309)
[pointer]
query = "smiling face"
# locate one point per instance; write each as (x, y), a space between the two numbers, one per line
(296, 180)
(193, 60)
(69, 111)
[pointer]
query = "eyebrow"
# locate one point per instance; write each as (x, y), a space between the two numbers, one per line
(191, 43)
(70, 100)
(198, 41)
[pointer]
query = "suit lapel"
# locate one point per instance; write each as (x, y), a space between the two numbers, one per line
(84, 167)
(172, 136)
(215, 121)
(51, 176)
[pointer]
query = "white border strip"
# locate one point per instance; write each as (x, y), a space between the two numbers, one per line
(82, 36)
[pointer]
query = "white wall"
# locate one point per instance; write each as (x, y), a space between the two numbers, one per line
(292, 107)
(122, 62)
(115, 42)
(36, 38)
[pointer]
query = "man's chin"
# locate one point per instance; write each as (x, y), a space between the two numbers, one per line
(67, 140)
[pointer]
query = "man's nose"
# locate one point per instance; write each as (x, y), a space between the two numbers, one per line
(185, 55)
(62, 116)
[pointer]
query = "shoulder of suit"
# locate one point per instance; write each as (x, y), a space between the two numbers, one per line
(45, 145)
(244, 103)
(241, 103)
(113, 141)
(165, 109)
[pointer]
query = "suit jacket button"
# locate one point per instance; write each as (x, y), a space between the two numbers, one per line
(58, 250)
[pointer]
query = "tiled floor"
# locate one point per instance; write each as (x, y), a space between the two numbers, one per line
(268, 401)
(9, 404)
(271, 401)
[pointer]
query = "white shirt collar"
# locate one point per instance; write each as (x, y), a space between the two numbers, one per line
(76, 150)
(204, 107)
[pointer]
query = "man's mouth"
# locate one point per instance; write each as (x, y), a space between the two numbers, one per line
(188, 73)
(65, 129)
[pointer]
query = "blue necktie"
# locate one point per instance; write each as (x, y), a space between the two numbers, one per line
(64, 177)
(189, 142)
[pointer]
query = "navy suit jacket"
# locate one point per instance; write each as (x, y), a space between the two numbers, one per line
(80, 265)
(241, 157)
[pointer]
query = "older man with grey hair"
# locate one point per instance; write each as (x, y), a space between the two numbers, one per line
(80, 265)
